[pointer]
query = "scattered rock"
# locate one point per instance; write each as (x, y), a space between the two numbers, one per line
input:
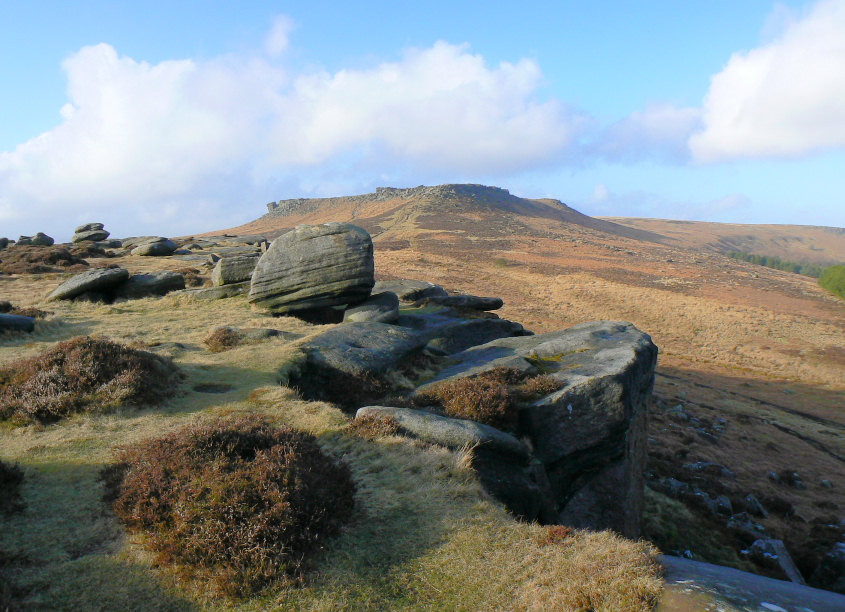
(11, 322)
(95, 280)
(754, 507)
(379, 307)
(154, 247)
(216, 293)
(148, 285)
(409, 290)
(233, 269)
(722, 506)
(773, 553)
(4, 242)
(830, 573)
(710, 468)
(42, 239)
(314, 267)
(744, 528)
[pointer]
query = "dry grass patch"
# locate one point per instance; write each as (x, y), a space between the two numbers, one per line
(83, 374)
(240, 499)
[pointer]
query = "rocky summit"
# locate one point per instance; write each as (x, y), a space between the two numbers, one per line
(314, 267)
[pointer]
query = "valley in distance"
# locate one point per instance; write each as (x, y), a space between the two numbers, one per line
(745, 442)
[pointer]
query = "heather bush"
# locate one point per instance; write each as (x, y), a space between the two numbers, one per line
(372, 426)
(223, 339)
(241, 501)
(84, 374)
(833, 279)
(492, 397)
(11, 477)
(29, 311)
(27, 259)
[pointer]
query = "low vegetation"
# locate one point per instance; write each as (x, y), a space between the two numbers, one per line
(84, 374)
(373, 426)
(223, 339)
(771, 261)
(833, 279)
(240, 499)
(39, 259)
(492, 398)
(29, 311)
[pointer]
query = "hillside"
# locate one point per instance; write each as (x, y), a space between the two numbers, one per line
(800, 243)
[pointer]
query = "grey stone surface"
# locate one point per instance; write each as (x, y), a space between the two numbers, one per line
(379, 307)
(96, 280)
(10, 322)
(830, 574)
(775, 553)
(155, 247)
(152, 284)
(233, 269)
(92, 235)
(595, 424)
(42, 239)
(449, 432)
(4, 242)
(473, 302)
(24, 241)
(314, 267)
(409, 290)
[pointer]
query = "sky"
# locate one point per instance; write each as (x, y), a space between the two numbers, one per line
(172, 118)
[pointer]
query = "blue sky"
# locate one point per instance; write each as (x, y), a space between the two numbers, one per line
(178, 117)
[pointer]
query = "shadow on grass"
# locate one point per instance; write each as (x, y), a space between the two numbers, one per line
(62, 551)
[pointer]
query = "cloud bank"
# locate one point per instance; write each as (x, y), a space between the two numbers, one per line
(180, 140)
(782, 99)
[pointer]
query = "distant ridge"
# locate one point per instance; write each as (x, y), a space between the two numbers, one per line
(449, 199)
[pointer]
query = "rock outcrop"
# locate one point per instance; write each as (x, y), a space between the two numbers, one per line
(90, 231)
(40, 239)
(155, 246)
(11, 322)
(409, 290)
(314, 267)
(149, 285)
(234, 269)
(98, 280)
(379, 307)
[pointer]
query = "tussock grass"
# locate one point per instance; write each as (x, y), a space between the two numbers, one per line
(222, 339)
(423, 533)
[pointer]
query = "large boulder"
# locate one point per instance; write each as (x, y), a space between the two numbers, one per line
(4, 242)
(234, 269)
(471, 302)
(97, 280)
(379, 307)
(830, 574)
(40, 239)
(154, 247)
(90, 231)
(149, 285)
(590, 434)
(10, 322)
(314, 267)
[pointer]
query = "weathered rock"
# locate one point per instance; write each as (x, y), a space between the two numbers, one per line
(472, 302)
(113, 243)
(92, 235)
(710, 468)
(450, 432)
(379, 307)
(774, 554)
(754, 507)
(597, 419)
(233, 269)
(24, 241)
(216, 293)
(152, 284)
(97, 280)
(744, 528)
(154, 248)
(409, 290)
(314, 267)
(4, 242)
(42, 239)
(465, 333)
(10, 322)
(830, 573)
(88, 227)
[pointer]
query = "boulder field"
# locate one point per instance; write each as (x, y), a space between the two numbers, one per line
(575, 453)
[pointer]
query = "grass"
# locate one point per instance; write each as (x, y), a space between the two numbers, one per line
(222, 339)
(423, 534)
(238, 499)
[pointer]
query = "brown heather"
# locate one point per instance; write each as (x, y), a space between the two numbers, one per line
(84, 374)
(492, 398)
(372, 426)
(223, 339)
(239, 499)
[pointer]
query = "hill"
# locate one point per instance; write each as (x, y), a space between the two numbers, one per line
(800, 243)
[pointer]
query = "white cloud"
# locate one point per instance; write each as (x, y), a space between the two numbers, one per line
(660, 131)
(277, 39)
(784, 98)
(182, 144)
